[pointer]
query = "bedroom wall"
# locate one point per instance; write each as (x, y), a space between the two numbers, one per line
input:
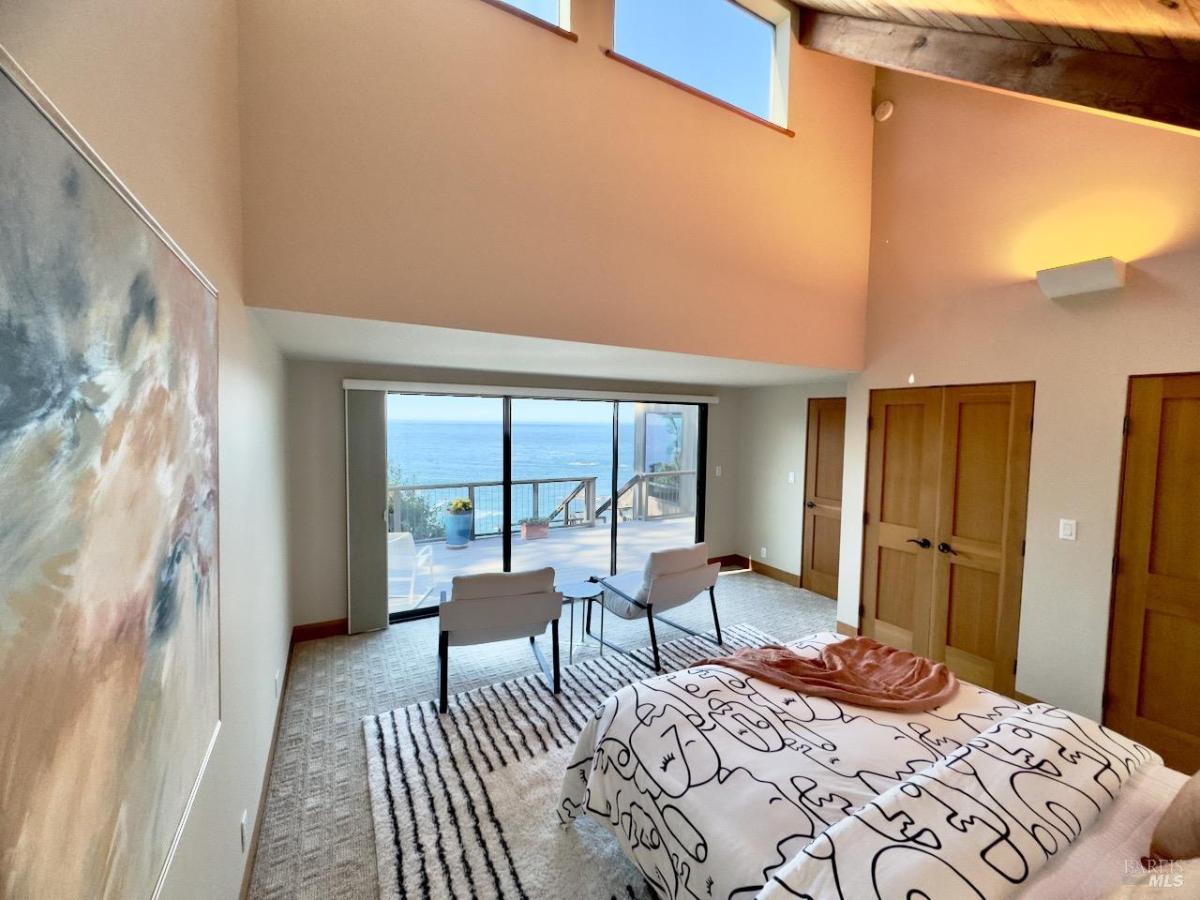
(447, 163)
(774, 422)
(317, 471)
(153, 87)
(1002, 187)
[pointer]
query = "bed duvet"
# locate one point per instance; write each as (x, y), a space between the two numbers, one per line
(719, 785)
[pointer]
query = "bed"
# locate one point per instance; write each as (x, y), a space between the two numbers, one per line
(719, 785)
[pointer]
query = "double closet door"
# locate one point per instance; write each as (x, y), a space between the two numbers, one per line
(947, 484)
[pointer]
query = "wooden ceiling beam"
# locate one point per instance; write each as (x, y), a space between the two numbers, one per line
(1161, 90)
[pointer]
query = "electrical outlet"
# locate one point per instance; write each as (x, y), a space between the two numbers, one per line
(763, 554)
(277, 684)
(717, 474)
(245, 816)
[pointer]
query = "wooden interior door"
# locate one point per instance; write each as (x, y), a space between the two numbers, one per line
(823, 495)
(1153, 682)
(978, 545)
(902, 479)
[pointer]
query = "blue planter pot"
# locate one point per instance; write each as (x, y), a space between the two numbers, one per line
(458, 529)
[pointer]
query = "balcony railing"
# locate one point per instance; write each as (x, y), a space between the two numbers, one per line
(564, 502)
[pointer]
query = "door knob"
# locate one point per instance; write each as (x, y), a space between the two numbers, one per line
(810, 505)
(943, 547)
(923, 543)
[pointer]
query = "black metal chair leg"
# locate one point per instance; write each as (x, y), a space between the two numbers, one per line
(557, 687)
(712, 595)
(653, 638)
(443, 669)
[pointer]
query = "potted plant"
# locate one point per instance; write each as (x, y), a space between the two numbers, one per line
(459, 513)
(534, 528)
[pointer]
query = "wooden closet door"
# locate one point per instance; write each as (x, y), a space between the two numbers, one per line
(823, 494)
(1153, 682)
(902, 478)
(982, 493)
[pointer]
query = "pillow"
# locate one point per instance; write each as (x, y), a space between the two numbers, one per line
(1177, 834)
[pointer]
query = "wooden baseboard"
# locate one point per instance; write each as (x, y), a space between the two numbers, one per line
(847, 630)
(771, 572)
(1025, 698)
(731, 561)
(317, 630)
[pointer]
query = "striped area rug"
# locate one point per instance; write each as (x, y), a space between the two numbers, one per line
(463, 804)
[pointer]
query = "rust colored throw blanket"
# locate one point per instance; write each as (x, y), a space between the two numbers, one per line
(858, 670)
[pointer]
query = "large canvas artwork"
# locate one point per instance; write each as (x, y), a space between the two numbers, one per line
(109, 665)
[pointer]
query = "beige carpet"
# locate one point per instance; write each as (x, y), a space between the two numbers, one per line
(317, 839)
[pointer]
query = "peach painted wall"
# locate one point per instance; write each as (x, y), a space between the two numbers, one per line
(974, 192)
(153, 88)
(447, 163)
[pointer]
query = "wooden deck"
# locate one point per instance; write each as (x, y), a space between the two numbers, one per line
(575, 553)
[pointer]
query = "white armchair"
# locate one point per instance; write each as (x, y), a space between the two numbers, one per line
(407, 563)
(670, 579)
(486, 608)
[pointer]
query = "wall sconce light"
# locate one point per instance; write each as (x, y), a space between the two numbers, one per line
(1103, 274)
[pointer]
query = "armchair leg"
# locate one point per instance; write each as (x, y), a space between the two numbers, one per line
(443, 668)
(653, 638)
(557, 686)
(712, 595)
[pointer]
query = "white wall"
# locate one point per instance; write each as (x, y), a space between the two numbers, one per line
(443, 162)
(774, 427)
(317, 468)
(973, 192)
(154, 88)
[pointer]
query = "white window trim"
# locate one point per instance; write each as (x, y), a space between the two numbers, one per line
(780, 16)
(564, 15)
(492, 390)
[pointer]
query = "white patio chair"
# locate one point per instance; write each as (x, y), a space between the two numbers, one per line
(499, 607)
(671, 578)
(403, 556)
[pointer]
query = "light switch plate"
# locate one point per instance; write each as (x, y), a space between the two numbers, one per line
(1067, 529)
(245, 816)
(791, 477)
(717, 474)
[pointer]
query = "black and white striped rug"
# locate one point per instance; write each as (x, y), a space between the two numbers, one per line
(463, 804)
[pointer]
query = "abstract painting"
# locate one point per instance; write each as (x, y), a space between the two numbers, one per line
(109, 663)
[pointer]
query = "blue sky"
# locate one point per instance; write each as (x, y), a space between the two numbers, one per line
(714, 45)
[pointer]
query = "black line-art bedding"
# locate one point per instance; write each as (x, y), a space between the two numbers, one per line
(719, 785)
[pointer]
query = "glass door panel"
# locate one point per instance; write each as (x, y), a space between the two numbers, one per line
(659, 446)
(562, 479)
(445, 494)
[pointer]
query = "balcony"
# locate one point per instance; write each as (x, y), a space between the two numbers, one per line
(654, 510)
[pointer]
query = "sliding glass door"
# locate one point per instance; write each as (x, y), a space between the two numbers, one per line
(562, 453)
(657, 502)
(494, 484)
(445, 504)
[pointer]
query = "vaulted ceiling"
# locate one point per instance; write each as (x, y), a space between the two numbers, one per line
(1135, 57)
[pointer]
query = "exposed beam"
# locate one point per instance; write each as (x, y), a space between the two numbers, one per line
(1162, 90)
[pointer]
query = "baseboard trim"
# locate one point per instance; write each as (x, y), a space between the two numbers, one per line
(1025, 698)
(787, 578)
(847, 630)
(731, 561)
(316, 630)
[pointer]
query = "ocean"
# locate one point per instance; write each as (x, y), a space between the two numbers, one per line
(458, 452)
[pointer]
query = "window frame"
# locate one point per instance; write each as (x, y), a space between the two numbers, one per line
(776, 14)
